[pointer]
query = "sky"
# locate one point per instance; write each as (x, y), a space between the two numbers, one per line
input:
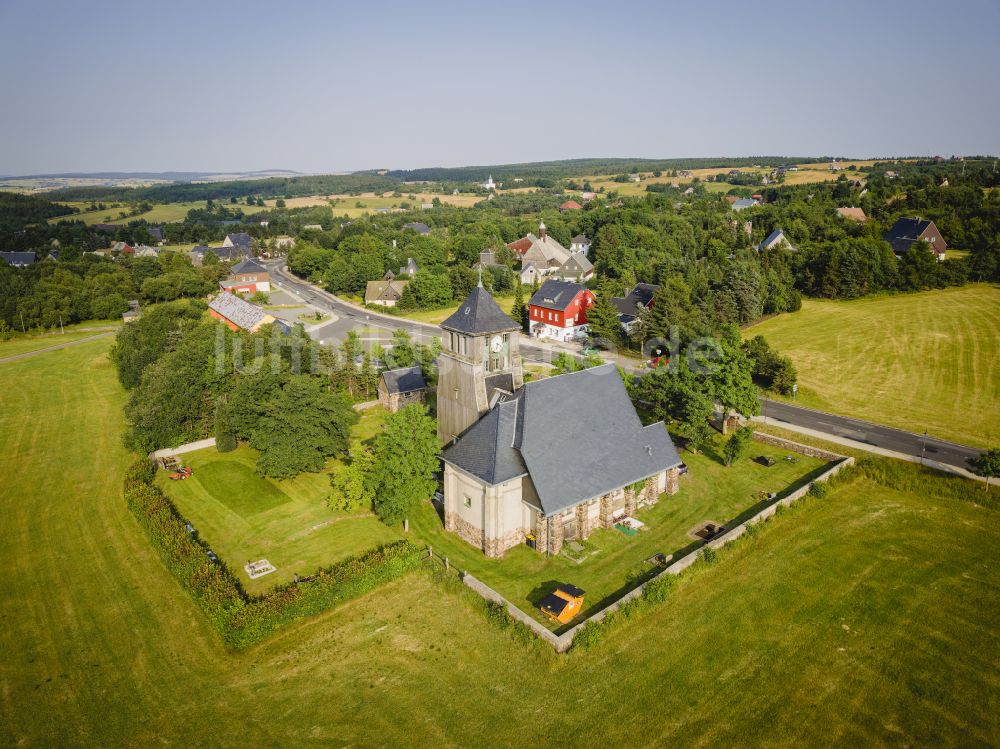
(222, 86)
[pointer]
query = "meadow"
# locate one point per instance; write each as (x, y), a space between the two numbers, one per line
(863, 618)
(359, 205)
(926, 361)
(612, 563)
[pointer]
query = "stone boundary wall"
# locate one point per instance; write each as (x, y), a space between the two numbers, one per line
(808, 450)
(562, 643)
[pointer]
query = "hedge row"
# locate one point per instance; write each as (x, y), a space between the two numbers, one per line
(243, 620)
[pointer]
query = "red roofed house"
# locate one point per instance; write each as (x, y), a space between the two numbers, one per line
(570, 205)
(559, 310)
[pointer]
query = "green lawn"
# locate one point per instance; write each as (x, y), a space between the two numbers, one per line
(35, 341)
(927, 361)
(613, 563)
(437, 316)
(865, 619)
(246, 517)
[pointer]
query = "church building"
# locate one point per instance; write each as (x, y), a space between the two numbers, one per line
(541, 462)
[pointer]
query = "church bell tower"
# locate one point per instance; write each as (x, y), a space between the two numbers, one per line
(479, 362)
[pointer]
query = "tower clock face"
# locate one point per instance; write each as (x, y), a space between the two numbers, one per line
(496, 345)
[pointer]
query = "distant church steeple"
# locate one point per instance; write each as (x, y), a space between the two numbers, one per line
(541, 230)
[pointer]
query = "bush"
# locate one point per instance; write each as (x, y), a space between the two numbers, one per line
(819, 489)
(240, 619)
(142, 471)
(708, 555)
(659, 589)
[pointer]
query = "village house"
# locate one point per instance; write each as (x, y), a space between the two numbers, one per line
(225, 253)
(632, 305)
(558, 310)
(776, 239)
(742, 203)
(239, 314)
(580, 243)
(18, 259)
(144, 250)
(542, 462)
(312, 227)
(549, 258)
(410, 269)
(284, 242)
(123, 248)
(853, 214)
(247, 277)
(386, 292)
(634, 177)
(156, 232)
(570, 205)
(906, 231)
(418, 226)
(685, 174)
(401, 387)
(588, 195)
(240, 239)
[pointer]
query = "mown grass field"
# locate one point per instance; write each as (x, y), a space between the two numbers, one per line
(23, 344)
(245, 517)
(613, 563)
(866, 618)
(927, 361)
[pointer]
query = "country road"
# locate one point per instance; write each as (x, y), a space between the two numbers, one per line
(860, 432)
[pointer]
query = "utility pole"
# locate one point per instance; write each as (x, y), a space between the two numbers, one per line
(61, 328)
(22, 322)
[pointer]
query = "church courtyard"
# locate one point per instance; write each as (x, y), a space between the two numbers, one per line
(611, 562)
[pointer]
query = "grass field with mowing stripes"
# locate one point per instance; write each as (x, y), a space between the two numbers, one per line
(866, 618)
(927, 361)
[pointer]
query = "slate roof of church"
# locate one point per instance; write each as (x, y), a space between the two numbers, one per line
(586, 414)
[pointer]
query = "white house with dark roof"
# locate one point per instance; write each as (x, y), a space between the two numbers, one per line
(18, 259)
(580, 243)
(775, 240)
(541, 462)
(632, 305)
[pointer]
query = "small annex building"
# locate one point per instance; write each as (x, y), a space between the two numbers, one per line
(401, 387)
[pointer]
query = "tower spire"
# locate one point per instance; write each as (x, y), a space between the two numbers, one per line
(480, 275)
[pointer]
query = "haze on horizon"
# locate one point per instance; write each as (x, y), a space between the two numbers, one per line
(321, 87)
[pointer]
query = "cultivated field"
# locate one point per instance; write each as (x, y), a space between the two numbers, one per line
(861, 619)
(160, 214)
(369, 201)
(927, 361)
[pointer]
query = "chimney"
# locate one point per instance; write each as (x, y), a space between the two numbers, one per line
(541, 230)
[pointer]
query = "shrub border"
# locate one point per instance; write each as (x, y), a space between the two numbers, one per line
(240, 619)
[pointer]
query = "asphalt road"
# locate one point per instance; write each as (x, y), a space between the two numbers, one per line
(865, 432)
(372, 324)
(887, 438)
